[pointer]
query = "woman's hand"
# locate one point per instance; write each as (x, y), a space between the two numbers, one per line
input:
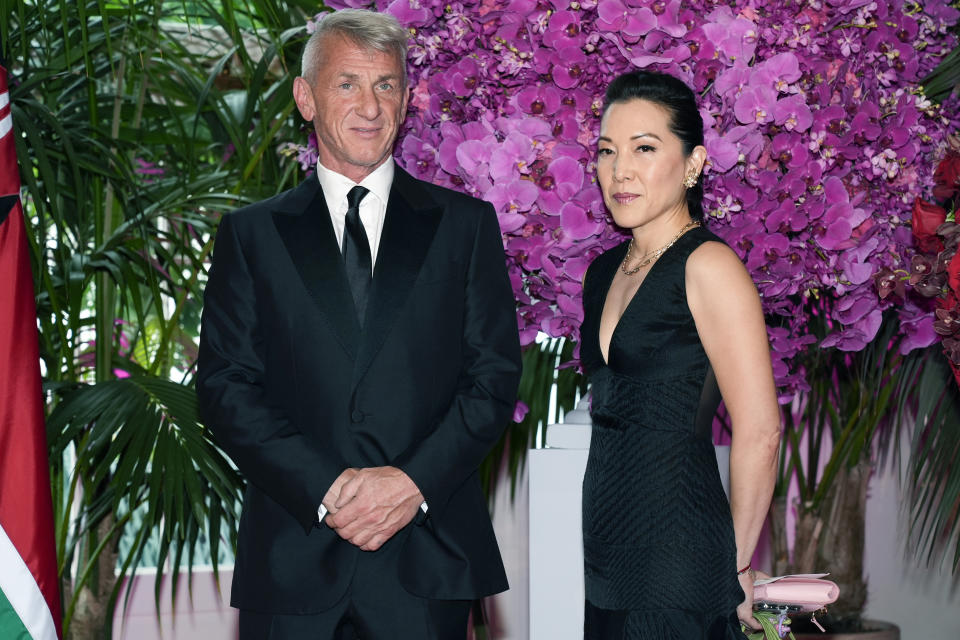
(745, 610)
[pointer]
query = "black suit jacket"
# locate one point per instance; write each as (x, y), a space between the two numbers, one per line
(295, 391)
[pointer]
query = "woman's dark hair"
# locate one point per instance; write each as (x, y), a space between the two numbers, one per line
(680, 103)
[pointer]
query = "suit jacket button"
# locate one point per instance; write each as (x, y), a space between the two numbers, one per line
(356, 416)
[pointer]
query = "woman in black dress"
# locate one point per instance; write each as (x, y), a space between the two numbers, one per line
(672, 321)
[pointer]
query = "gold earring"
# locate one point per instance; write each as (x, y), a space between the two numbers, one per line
(690, 181)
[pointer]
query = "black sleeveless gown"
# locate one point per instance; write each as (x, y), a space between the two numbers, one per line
(658, 541)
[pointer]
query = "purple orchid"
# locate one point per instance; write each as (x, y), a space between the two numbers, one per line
(755, 105)
(569, 67)
(817, 135)
(792, 113)
(411, 13)
(630, 22)
(563, 30)
(539, 99)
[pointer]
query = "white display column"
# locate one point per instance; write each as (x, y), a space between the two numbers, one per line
(556, 543)
(556, 547)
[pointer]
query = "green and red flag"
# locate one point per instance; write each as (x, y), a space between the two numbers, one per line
(29, 593)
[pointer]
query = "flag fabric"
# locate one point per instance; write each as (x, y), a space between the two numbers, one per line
(29, 592)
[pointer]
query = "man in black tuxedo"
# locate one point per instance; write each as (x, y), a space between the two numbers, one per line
(358, 408)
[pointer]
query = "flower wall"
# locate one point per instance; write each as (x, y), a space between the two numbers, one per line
(818, 136)
(935, 267)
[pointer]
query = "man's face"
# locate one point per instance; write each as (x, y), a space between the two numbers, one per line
(357, 102)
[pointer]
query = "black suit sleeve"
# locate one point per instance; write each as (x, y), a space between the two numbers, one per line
(489, 376)
(260, 438)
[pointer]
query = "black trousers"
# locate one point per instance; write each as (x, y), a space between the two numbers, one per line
(375, 607)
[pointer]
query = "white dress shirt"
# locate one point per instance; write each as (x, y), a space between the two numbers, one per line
(373, 210)
(373, 207)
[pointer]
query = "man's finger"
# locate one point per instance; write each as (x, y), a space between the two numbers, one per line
(350, 525)
(357, 508)
(375, 543)
(339, 521)
(381, 534)
(331, 520)
(333, 493)
(344, 518)
(373, 539)
(349, 490)
(362, 537)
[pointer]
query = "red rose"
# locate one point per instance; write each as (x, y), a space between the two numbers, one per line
(950, 302)
(925, 219)
(953, 271)
(947, 177)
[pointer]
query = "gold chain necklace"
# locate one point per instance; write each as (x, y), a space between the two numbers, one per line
(656, 253)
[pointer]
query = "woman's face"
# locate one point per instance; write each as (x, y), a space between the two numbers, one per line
(641, 165)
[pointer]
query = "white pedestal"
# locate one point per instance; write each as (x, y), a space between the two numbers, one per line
(556, 546)
(556, 543)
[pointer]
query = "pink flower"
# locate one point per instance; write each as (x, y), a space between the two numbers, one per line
(520, 411)
(755, 105)
(410, 13)
(629, 21)
(793, 113)
(569, 66)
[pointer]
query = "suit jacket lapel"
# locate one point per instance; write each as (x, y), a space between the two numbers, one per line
(303, 222)
(408, 230)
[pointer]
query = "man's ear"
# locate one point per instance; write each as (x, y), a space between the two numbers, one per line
(303, 96)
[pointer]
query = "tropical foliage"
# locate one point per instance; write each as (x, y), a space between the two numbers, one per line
(139, 124)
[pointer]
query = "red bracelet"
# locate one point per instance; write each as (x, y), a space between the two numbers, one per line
(744, 570)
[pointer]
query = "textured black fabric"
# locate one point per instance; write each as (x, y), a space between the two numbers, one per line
(638, 624)
(356, 252)
(657, 531)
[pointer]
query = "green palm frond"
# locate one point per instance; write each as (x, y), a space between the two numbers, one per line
(140, 440)
(933, 483)
(945, 78)
(131, 143)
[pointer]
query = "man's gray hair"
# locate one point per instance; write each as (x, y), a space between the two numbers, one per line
(366, 29)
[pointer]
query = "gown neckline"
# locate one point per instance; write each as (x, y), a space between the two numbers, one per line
(626, 309)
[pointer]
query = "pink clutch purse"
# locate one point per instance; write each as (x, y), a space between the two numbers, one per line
(809, 592)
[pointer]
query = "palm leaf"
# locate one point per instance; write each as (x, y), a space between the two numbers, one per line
(940, 83)
(933, 476)
(97, 89)
(141, 437)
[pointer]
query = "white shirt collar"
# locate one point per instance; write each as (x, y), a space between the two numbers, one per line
(373, 208)
(335, 186)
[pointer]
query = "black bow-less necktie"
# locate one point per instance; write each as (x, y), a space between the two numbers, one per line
(356, 252)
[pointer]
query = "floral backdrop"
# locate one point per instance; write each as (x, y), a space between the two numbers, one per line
(819, 140)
